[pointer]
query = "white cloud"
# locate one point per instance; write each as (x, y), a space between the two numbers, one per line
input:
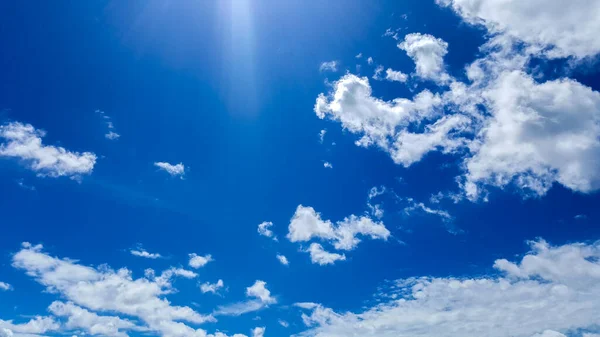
(211, 287)
(24, 142)
(327, 165)
(260, 332)
(558, 27)
(264, 230)
(414, 206)
(112, 135)
(322, 257)
(283, 260)
(143, 253)
(370, 60)
(395, 76)
(329, 66)
(307, 224)
(80, 318)
(35, 326)
(552, 291)
(322, 135)
(197, 261)
(260, 298)
(5, 286)
(173, 170)
(428, 53)
(377, 74)
(283, 323)
(116, 291)
(537, 134)
(359, 55)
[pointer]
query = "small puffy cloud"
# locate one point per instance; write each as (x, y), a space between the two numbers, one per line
(559, 28)
(395, 76)
(428, 53)
(260, 332)
(259, 298)
(197, 261)
(211, 287)
(307, 224)
(35, 326)
(550, 292)
(143, 253)
(24, 142)
(283, 260)
(359, 55)
(5, 286)
(112, 135)
(264, 230)
(329, 66)
(377, 74)
(327, 165)
(322, 257)
(92, 323)
(173, 170)
(322, 135)
(370, 60)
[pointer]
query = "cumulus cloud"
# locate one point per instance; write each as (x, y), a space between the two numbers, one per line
(111, 134)
(116, 291)
(307, 224)
(428, 53)
(173, 170)
(34, 327)
(559, 28)
(327, 165)
(329, 66)
(283, 323)
(5, 286)
(93, 324)
(143, 253)
(551, 291)
(322, 135)
(211, 287)
(24, 142)
(395, 76)
(264, 230)
(370, 60)
(283, 260)
(259, 298)
(258, 332)
(322, 257)
(196, 261)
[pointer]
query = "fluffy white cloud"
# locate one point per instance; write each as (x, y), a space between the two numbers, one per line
(327, 165)
(359, 55)
(283, 323)
(537, 134)
(428, 53)
(307, 224)
(198, 261)
(558, 27)
(173, 170)
(258, 332)
(552, 291)
(80, 318)
(112, 135)
(260, 298)
(4, 332)
(377, 74)
(5, 286)
(382, 122)
(395, 76)
(370, 60)
(322, 135)
(264, 230)
(107, 290)
(322, 257)
(283, 260)
(24, 142)
(329, 66)
(143, 253)
(211, 287)
(35, 326)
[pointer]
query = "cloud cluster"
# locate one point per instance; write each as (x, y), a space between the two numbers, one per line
(24, 142)
(259, 298)
(177, 170)
(428, 53)
(552, 291)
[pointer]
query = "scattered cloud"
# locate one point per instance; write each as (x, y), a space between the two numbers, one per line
(327, 165)
(24, 142)
(395, 76)
(322, 135)
(283, 260)
(322, 257)
(5, 286)
(173, 170)
(577, 217)
(143, 253)
(111, 134)
(93, 324)
(307, 224)
(34, 327)
(264, 230)
(428, 53)
(259, 298)
(329, 66)
(370, 60)
(377, 74)
(553, 288)
(196, 261)
(258, 332)
(283, 323)
(211, 287)
(359, 55)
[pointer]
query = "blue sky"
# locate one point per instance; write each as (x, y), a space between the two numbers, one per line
(278, 168)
